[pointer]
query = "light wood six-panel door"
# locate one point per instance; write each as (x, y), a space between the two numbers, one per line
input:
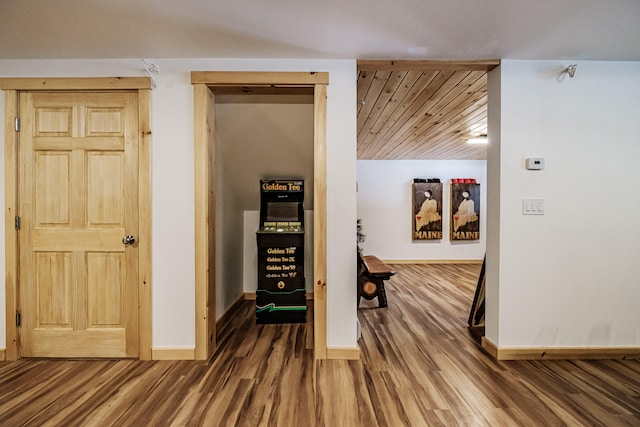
(78, 200)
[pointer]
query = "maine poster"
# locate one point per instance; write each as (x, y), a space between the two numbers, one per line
(465, 211)
(427, 211)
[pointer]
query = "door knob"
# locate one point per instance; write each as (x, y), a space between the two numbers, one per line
(128, 240)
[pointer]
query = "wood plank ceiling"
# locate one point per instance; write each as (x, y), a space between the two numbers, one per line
(421, 110)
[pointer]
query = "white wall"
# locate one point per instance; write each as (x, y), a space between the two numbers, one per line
(228, 228)
(385, 207)
(569, 278)
(172, 183)
(492, 271)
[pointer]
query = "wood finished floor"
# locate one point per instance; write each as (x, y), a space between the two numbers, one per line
(419, 367)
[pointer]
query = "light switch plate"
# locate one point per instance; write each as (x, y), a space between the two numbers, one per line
(532, 206)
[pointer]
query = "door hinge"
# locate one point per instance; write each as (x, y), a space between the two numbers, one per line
(18, 318)
(17, 223)
(17, 124)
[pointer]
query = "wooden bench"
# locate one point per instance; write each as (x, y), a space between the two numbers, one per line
(372, 273)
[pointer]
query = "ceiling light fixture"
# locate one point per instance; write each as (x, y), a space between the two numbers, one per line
(480, 139)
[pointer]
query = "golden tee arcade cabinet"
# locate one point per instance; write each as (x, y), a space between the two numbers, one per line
(281, 292)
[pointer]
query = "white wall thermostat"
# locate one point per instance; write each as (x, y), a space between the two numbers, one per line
(535, 163)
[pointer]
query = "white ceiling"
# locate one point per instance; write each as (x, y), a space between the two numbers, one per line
(331, 29)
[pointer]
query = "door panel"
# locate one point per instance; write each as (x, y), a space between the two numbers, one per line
(54, 280)
(53, 121)
(104, 271)
(105, 196)
(78, 199)
(52, 188)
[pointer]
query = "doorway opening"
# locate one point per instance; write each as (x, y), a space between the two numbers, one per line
(414, 120)
(209, 89)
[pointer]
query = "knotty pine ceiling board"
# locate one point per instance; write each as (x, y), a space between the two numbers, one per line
(417, 114)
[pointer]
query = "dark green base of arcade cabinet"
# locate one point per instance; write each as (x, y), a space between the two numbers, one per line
(281, 293)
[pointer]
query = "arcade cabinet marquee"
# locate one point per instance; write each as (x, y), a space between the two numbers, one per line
(281, 292)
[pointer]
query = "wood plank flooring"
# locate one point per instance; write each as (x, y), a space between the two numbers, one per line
(419, 367)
